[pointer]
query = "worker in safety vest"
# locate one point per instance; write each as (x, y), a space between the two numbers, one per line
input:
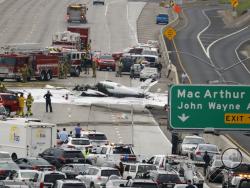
(2, 87)
(29, 102)
(65, 67)
(61, 71)
(24, 72)
(21, 102)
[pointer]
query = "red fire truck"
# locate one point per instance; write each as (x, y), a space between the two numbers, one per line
(40, 66)
(68, 45)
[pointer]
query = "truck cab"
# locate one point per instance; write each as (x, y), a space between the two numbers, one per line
(77, 13)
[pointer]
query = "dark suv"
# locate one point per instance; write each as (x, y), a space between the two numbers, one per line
(9, 101)
(60, 156)
(165, 179)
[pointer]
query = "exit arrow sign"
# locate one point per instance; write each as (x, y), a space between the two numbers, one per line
(183, 117)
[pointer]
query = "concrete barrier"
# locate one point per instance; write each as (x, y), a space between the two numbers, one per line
(164, 50)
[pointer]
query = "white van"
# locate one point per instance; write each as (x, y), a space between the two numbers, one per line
(24, 137)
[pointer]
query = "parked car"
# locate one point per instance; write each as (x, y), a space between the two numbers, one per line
(189, 143)
(60, 156)
(96, 138)
(5, 156)
(98, 2)
(9, 101)
(229, 176)
(96, 176)
(214, 170)
(198, 153)
(69, 184)
(13, 184)
(47, 179)
(182, 186)
(72, 170)
(243, 183)
(127, 62)
(149, 72)
(135, 70)
(34, 163)
(165, 178)
(137, 170)
(23, 175)
(7, 168)
(78, 143)
(146, 183)
(114, 183)
(162, 19)
(105, 61)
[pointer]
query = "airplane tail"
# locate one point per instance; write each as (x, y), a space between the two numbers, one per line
(147, 84)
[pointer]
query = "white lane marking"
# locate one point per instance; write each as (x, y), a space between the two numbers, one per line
(236, 52)
(227, 36)
(106, 9)
(202, 31)
(131, 27)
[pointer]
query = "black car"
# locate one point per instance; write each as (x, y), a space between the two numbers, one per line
(34, 163)
(73, 169)
(127, 62)
(165, 179)
(7, 168)
(228, 175)
(60, 156)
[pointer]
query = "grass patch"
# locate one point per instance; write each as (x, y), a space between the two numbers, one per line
(224, 1)
(243, 6)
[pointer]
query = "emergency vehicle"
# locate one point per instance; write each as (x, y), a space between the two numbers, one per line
(77, 13)
(25, 137)
(68, 45)
(40, 66)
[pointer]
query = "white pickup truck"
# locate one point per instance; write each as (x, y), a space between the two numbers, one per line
(112, 154)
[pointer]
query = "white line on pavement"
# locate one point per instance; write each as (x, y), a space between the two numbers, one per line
(202, 31)
(236, 51)
(229, 35)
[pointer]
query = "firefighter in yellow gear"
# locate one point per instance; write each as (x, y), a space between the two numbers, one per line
(2, 87)
(21, 102)
(24, 72)
(17, 97)
(29, 102)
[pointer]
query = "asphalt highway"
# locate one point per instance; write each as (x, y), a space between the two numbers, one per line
(222, 55)
(190, 50)
(113, 28)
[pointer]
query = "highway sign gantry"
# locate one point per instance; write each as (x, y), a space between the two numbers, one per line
(170, 33)
(219, 107)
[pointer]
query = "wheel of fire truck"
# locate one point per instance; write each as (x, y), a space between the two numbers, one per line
(48, 76)
(1, 79)
(14, 156)
(42, 76)
(78, 72)
(7, 109)
(18, 79)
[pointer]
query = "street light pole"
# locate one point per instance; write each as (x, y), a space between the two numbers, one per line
(132, 123)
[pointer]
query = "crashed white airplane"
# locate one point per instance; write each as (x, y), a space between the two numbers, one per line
(113, 89)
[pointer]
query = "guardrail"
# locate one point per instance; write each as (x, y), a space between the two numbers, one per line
(164, 50)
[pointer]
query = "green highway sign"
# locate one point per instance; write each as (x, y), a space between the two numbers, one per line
(222, 107)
